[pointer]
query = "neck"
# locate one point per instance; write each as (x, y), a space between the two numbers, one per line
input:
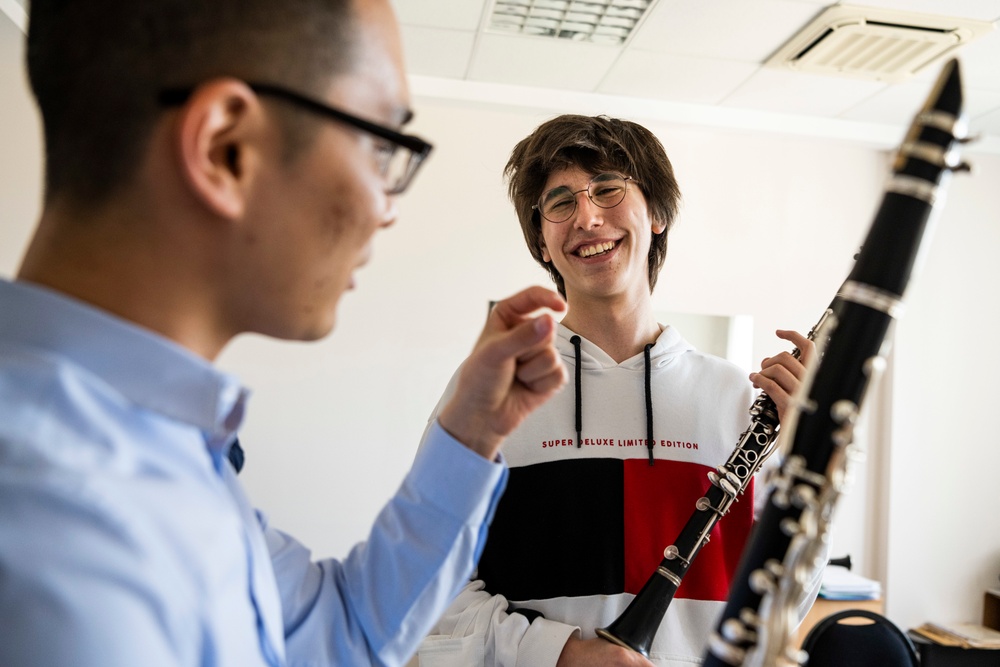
(117, 264)
(621, 326)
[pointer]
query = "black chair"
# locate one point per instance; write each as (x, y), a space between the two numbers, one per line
(877, 643)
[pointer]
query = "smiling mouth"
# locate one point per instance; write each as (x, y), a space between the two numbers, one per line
(596, 249)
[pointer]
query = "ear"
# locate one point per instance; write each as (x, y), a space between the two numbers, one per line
(546, 257)
(216, 131)
(659, 226)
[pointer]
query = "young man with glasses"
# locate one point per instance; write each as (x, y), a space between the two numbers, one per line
(215, 168)
(605, 475)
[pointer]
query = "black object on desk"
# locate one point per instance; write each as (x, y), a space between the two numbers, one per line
(933, 654)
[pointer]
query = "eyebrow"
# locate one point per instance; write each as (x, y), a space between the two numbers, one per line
(554, 191)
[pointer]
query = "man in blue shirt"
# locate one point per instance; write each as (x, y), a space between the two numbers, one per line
(216, 168)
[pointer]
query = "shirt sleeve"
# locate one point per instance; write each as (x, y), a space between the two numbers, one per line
(477, 630)
(377, 605)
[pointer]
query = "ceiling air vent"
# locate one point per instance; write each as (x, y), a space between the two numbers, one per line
(597, 21)
(878, 44)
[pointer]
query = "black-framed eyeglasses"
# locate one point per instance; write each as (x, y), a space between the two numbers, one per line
(398, 157)
(606, 190)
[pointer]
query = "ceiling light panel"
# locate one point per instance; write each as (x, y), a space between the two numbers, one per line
(596, 21)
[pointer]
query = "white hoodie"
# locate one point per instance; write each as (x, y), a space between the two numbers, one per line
(580, 529)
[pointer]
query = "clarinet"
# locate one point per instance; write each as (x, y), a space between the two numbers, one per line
(636, 627)
(786, 547)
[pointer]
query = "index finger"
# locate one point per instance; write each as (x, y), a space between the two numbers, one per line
(514, 308)
(804, 345)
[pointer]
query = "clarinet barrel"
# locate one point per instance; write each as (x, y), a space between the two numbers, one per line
(787, 545)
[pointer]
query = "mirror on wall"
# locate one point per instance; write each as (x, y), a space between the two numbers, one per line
(726, 336)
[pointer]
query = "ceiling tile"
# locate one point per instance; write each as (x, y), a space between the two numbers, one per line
(677, 78)
(797, 93)
(980, 10)
(744, 30)
(544, 62)
(986, 124)
(980, 102)
(894, 105)
(897, 103)
(980, 61)
(437, 52)
(464, 15)
(982, 107)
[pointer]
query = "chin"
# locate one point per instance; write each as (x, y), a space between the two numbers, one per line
(322, 329)
(302, 331)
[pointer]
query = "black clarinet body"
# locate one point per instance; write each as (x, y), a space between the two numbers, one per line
(786, 545)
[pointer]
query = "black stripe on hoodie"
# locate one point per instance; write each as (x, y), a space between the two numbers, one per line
(563, 507)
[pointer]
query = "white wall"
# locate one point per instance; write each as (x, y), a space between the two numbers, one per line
(768, 229)
(944, 521)
(20, 152)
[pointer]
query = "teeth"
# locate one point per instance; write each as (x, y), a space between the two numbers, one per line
(590, 251)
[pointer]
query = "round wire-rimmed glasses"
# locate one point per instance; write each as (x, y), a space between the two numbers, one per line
(606, 190)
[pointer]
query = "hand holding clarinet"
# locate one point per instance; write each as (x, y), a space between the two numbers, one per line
(780, 376)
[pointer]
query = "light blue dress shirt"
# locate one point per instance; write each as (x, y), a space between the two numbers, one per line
(126, 539)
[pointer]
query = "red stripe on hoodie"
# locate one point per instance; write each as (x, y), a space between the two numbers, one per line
(652, 524)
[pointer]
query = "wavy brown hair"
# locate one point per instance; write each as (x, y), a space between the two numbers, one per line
(594, 144)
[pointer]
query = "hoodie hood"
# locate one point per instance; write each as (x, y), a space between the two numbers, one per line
(669, 346)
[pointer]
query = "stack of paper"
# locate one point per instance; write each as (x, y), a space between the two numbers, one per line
(839, 583)
(966, 635)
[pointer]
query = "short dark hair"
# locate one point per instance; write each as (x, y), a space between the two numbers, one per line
(595, 144)
(96, 68)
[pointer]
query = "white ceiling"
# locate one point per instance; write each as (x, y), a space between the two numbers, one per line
(690, 61)
(698, 61)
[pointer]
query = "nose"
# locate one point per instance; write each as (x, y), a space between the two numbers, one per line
(588, 214)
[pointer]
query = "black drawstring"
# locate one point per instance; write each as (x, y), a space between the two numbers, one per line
(579, 399)
(649, 405)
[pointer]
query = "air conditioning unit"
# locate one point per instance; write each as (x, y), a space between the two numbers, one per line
(876, 44)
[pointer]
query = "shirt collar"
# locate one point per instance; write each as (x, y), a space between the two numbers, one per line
(148, 369)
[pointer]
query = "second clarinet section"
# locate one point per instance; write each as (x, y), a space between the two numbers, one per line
(757, 627)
